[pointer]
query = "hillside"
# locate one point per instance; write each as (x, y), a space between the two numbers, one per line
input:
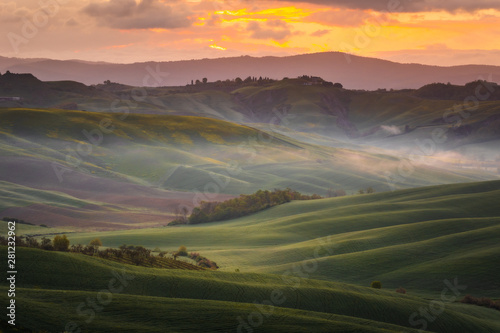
(422, 239)
(116, 170)
(322, 114)
(413, 238)
(152, 299)
(352, 71)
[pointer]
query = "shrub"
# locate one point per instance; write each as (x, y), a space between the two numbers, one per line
(401, 290)
(60, 243)
(481, 301)
(46, 244)
(376, 284)
(95, 242)
(182, 251)
(32, 242)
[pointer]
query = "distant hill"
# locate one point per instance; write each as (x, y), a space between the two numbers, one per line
(353, 72)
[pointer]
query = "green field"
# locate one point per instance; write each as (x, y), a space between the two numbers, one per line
(152, 300)
(397, 237)
(319, 255)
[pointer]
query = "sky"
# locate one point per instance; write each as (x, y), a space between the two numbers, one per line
(436, 32)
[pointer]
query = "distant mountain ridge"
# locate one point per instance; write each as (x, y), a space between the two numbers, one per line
(354, 72)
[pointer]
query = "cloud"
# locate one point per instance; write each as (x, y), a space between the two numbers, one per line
(407, 5)
(320, 33)
(71, 22)
(275, 30)
(341, 17)
(145, 14)
(10, 12)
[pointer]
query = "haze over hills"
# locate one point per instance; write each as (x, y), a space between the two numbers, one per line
(96, 161)
(281, 134)
(352, 71)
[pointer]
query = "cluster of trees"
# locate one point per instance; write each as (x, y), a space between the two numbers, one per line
(481, 301)
(318, 80)
(332, 193)
(455, 92)
(236, 81)
(138, 255)
(59, 243)
(203, 261)
(243, 205)
(369, 190)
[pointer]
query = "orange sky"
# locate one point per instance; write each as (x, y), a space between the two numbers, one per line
(143, 30)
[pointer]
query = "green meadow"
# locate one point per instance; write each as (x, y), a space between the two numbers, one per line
(319, 256)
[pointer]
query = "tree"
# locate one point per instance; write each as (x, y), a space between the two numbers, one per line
(376, 284)
(370, 190)
(338, 85)
(238, 80)
(60, 243)
(95, 243)
(205, 80)
(361, 191)
(46, 244)
(182, 251)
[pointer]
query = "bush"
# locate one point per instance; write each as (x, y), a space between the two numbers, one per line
(401, 290)
(95, 242)
(481, 301)
(61, 243)
(182, 251)
(376, 284)
(46, 244)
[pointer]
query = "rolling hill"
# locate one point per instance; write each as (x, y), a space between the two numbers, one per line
(395, 237)
(119, 170)
(322, 253)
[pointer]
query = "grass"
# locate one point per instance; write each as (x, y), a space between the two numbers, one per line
(319, 256)
(182, 153)
(188, 301)
(395, 237)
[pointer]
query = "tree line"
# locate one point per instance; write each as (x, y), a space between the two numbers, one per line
(137, 255)
(211, 211)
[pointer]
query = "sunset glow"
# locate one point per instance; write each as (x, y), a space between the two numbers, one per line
(161, 30)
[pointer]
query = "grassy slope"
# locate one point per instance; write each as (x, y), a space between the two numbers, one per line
(148, 149)
(413, 238)
(183, 301)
